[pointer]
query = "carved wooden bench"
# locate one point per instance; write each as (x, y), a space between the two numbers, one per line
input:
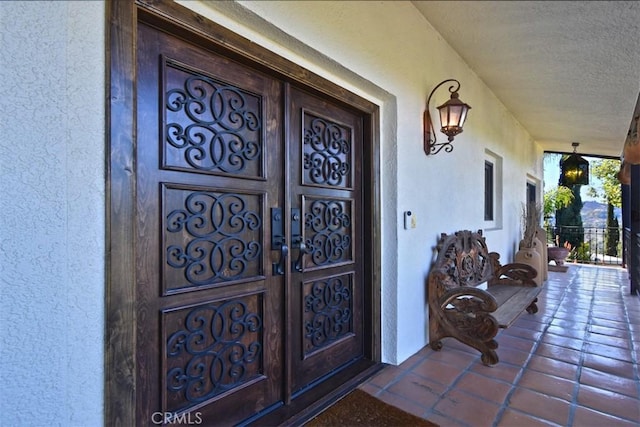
(471, 294)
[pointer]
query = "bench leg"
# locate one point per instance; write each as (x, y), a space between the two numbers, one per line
(533, 308)
(490, 357)
(480, 338)
(435, 345)
(486, 347)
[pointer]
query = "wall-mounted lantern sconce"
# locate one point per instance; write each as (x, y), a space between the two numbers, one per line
(452, 116)
(574, 170)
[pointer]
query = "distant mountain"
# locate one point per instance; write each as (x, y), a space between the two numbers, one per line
(594, 214)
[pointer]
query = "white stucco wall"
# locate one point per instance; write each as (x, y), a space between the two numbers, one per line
(52, 157)
(388, 53)
(52, 202)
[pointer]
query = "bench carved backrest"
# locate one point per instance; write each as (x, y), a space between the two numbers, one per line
(463, 259)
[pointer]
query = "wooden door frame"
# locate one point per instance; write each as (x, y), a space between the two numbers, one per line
(121, 322)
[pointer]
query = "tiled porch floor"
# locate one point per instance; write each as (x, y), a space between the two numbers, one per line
(574, 363)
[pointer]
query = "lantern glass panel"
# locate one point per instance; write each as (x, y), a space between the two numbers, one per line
(574, 171)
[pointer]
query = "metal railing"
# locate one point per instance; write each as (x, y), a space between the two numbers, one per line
(589, 245)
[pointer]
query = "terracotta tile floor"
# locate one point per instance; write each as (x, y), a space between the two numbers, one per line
(574, 363)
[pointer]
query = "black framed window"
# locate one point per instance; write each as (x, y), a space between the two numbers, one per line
(531, 192)
(488, 191)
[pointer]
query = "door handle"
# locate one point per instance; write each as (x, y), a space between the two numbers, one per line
(297, 240)
(303, 251)
(278, 241)
(278, 267)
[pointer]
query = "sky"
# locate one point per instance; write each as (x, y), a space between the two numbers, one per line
(552, 174)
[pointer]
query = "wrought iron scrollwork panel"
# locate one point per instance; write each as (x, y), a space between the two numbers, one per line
(326, 152)
(211, 238)
(328, 232)
(327, 311)
(211, 349)
(210, 126)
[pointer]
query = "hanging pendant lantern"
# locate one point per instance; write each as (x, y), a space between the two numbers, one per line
(574, 170)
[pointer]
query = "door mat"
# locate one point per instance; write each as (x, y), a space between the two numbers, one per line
(359, 408)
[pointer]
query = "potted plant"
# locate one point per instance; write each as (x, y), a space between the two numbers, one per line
(559, 253)
(554, 199)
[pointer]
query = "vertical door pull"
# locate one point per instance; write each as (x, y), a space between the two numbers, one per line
(278, 267)
(278, 241)
(297, 239)
(303, 251)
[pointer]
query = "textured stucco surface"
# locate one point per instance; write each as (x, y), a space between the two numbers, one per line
(52, 200)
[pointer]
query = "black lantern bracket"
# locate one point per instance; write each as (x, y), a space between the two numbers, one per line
(452, 113)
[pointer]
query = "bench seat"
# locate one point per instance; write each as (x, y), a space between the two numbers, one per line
(471, 295)
(512, 302)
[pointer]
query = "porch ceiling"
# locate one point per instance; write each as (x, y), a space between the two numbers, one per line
(567, 70)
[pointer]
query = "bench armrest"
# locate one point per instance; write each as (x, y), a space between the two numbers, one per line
(467, 299)
(511, 274)
(462, 311)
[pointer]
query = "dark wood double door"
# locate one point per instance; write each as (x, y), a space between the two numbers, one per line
(249, 236)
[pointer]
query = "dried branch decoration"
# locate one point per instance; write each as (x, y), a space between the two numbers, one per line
(531, 215)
